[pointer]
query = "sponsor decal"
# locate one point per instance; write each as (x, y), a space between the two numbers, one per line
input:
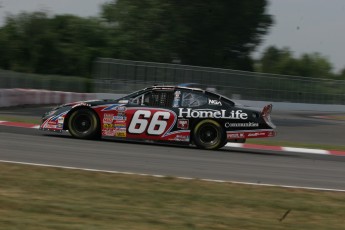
(108, 118)
(81, 104)
(60, 120)
(176, 103)
(262, 134)
(181, 138)
(120, 118)
(120, 125)
(257, 134)
(108, 126)
(183, 123)
(177, 93)
(121, 108)
(209, 113)
(120, 132)
(55, 118)
(59, 126)
(177, 99)
(49, 126)
(214, 102)
(117, 107)
(250, 134)
(235, 135)
(109, 132)
(232, 125)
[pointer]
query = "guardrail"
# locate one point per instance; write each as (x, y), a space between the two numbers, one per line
(11, 79)
(18, 97)
(123, 76)
(15, 97)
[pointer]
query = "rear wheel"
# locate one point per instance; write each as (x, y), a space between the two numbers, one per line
(84, 124)
(209, 134)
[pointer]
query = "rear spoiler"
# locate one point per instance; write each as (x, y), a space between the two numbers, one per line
(266, 111)
(266, 115)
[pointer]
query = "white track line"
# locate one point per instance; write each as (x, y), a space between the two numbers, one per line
(304, 150)
(182, 178)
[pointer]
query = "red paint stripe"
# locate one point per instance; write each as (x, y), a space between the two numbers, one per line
(337, 153)
(18, 124)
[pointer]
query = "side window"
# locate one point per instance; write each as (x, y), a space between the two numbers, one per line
(193, 99)
(158, 98)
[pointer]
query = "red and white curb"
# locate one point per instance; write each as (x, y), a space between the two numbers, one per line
(231, 145)
(19, 124)
(286, 149)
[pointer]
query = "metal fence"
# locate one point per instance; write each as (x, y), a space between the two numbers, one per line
(123, 76)
(10, 79)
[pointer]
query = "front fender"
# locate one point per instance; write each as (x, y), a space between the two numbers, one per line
(54, 120)
(74, 108)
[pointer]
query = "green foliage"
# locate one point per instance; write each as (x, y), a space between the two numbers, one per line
(217, 34)
(52, 198)
(282, 61)
(325, 84)
(64, 44)
(220, 33)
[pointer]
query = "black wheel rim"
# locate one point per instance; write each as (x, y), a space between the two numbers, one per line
(82, 123)
(208, 134)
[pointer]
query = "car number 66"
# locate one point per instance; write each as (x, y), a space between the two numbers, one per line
(141, 121)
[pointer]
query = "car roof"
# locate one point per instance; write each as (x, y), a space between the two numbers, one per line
(174, 87)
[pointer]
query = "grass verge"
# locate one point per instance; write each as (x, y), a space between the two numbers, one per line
(33, 197)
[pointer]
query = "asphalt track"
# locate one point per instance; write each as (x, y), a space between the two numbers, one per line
(261, 167)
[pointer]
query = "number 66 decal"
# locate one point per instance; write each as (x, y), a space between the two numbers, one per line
(141, 122)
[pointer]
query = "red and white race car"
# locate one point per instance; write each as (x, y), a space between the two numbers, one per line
(163, 113)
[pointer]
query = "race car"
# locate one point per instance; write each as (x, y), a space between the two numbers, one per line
(163, 113)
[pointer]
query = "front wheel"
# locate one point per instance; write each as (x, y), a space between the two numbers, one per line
(84, 124)
(209, 134)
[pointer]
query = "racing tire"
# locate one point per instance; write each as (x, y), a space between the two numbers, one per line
(84, 124)
(209, 134)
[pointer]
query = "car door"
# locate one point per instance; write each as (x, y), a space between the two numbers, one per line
(186, 105)
(149, 116)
